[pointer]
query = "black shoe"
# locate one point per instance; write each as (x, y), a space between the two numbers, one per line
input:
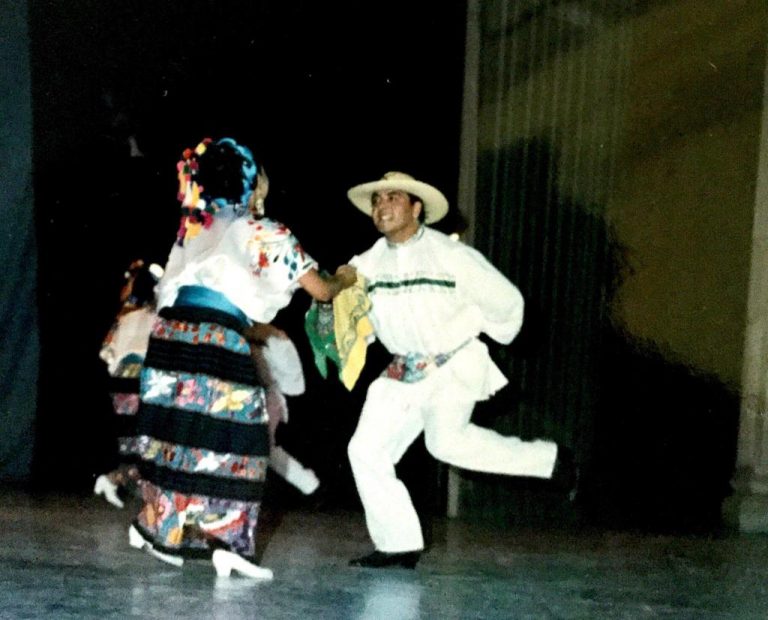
(566, 474)
(379, 559)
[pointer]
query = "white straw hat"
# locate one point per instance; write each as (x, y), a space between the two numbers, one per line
(435, 203)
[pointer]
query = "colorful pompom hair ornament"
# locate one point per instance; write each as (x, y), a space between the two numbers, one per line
(196, 213)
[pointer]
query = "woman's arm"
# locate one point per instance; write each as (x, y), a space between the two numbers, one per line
(258, 333)
(325, 288)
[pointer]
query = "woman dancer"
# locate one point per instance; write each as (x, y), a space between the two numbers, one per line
(203, 422)
(123, 352)
(277, 363)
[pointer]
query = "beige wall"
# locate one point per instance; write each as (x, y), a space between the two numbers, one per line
(684, 200)
(664, 140)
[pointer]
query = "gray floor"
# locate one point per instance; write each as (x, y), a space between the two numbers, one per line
(67, 557)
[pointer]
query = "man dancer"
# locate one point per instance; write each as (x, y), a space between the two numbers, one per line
(431, 298)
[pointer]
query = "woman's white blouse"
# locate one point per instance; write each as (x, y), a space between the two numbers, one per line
(256, 264)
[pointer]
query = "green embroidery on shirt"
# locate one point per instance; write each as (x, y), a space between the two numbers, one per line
(413, 282)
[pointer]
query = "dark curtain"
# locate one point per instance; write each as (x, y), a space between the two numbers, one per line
(19, 347)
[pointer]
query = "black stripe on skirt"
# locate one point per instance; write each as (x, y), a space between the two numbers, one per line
(190, 314)
(207, 359)
(189, 428)
(124, 425)
(123, 385)
(202, 484)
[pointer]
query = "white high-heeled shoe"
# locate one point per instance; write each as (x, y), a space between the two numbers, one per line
(108, 489)
(226, 561)
(173, 560)
(137, 541)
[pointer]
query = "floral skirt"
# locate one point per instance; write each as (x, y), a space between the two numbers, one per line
(124, 391)
(203, 438)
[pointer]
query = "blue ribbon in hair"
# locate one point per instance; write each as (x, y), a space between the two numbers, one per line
(250, 168)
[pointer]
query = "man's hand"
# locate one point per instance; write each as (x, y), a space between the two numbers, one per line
(347, 275)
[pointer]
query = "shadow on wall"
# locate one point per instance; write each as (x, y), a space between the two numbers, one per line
(665, 441)
(656, 439)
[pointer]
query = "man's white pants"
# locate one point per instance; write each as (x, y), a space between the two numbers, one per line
(394, 415)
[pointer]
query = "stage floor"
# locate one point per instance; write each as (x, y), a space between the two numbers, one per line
(67, 556)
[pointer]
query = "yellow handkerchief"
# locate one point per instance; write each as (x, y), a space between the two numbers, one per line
(352, 330)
